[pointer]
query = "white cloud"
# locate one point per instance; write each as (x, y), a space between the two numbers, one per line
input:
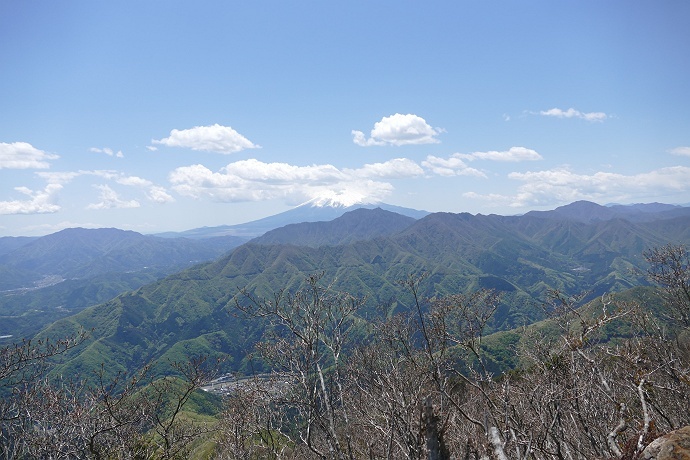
(110, 199)
(59, 177)
(154, 192)
(513, 154)
(133, 181)
(158, 194)
(395, 168)
(22, 155)
(398, 129)
(451, 166)
(40, 202)
(572, 113)
(107, 151)
(253, 180)
(562, 185)
(493, 199)
(64, 177)
(281, 173)
(348, 193)
(683, 151)
(455, 165)
(215, 138)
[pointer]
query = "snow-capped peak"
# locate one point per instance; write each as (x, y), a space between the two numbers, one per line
(338, 200)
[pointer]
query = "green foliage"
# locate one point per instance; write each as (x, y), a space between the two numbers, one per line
(358, 225)
(523, 257)
(501, 348)
(26, 312)
(200, 404)
(501, 351)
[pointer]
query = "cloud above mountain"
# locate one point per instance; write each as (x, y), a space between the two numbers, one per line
(451, 166)
(47, 200)
(514, 154)
(391, 169)
(573, 113)
(214, 138)
(254, 180)
(109, 198)
(22, 155)
(561, 185)
(39, 202)
(398, 130)
(108, 151)
(682, 151)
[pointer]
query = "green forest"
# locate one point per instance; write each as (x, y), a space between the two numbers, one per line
(451, 336)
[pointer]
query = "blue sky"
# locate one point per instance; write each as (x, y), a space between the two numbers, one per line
(156, 116)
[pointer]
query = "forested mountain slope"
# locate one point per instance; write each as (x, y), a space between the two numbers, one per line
(78, 253)
(50, 277)
(192, 311)
(360, 224)
(308, 212)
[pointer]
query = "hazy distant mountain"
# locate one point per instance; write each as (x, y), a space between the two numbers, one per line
(82, 253)
(586, 211)
(308, 212)
(10, 243)
(643, 207)
(24, 312)
(51, 277)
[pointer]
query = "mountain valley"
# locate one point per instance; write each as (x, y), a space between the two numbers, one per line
(507, 304)
(366, 252)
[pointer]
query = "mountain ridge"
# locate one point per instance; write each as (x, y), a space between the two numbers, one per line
(347, 228)
(522, 256)
(587, 211)
(46, 278)
(307, 212)
(80, 252)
